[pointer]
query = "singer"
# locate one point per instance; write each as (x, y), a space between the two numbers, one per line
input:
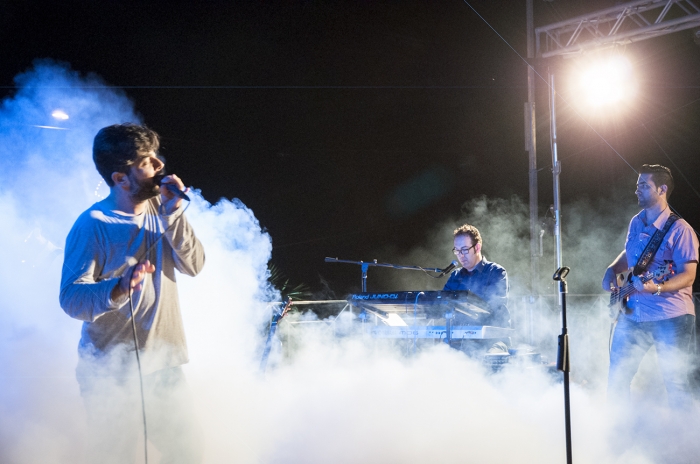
(121, 256)
(485, 279)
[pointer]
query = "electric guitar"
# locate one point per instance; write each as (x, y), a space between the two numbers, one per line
(620, 296)
(276, 316)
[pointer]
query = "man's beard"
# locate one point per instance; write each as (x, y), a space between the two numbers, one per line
(646, 203)
(142, 190)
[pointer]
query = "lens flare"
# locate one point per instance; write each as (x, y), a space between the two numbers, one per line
(608, 82)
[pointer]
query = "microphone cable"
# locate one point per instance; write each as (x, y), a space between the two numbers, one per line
(138, 364)
(415, 320)
(441, 274)
(133, 328)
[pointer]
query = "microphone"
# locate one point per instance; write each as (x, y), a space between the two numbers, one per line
(449, 268)
(158, 179)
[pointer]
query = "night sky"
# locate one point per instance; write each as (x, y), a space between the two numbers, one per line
(353, 127)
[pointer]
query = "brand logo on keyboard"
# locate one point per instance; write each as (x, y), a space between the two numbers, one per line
(376, 296)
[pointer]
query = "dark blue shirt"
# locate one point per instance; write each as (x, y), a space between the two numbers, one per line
(489, 282)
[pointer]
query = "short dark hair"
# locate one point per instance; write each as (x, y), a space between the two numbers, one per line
(116, 147)
(661, 175)
(469, 230)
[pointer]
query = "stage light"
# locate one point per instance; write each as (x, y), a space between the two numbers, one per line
(608, 82)
(60, 115)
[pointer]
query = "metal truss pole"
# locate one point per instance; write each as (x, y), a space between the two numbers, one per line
(531, 148)
(619, 25)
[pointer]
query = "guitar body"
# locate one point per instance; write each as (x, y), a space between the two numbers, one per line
(623, 279)
(625, 288)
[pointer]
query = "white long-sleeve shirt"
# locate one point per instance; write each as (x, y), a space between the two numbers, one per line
(102, 246)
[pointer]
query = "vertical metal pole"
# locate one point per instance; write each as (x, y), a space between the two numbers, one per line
(556, 170)
(563, 360)
(561, 272)
(531, 148)
(365, 267)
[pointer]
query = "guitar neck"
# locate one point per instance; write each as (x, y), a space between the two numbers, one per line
(628, 289)
(644, 280)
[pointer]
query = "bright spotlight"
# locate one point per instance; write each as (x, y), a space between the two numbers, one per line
(60, 115)
(608, 82)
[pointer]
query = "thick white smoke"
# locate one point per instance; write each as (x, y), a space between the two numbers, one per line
(330, 399)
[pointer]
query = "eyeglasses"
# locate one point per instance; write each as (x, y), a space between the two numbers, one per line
(463, 251)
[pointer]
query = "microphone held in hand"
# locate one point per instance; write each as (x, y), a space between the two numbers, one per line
(158, 179)
(449, 268)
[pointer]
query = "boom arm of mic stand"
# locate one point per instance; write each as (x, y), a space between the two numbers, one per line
(376, 264)
(366, 265)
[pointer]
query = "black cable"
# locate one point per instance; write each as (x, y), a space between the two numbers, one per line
(427, 272)
(415, 319)
(136, 341)
(148, 250)
(138, 364)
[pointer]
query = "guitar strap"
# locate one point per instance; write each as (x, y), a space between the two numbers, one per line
(653, 246)
(644, 260)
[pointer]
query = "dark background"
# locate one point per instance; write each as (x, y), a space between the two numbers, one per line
(351, 127)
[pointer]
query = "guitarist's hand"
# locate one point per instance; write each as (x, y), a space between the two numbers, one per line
(643, 287)
(609, 280)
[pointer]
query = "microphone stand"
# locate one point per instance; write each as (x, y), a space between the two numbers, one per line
(366, 265)
(563, 363)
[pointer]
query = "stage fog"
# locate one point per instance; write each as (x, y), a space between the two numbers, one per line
(329, 399)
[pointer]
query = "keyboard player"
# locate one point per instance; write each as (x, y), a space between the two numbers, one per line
(487, 280)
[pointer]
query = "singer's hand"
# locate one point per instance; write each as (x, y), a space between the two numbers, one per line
(132, 280)
(168, 199)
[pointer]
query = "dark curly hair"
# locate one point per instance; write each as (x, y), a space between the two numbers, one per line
(116, 147)
(469, 230)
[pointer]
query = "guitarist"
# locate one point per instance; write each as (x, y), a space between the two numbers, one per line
(660, 313)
